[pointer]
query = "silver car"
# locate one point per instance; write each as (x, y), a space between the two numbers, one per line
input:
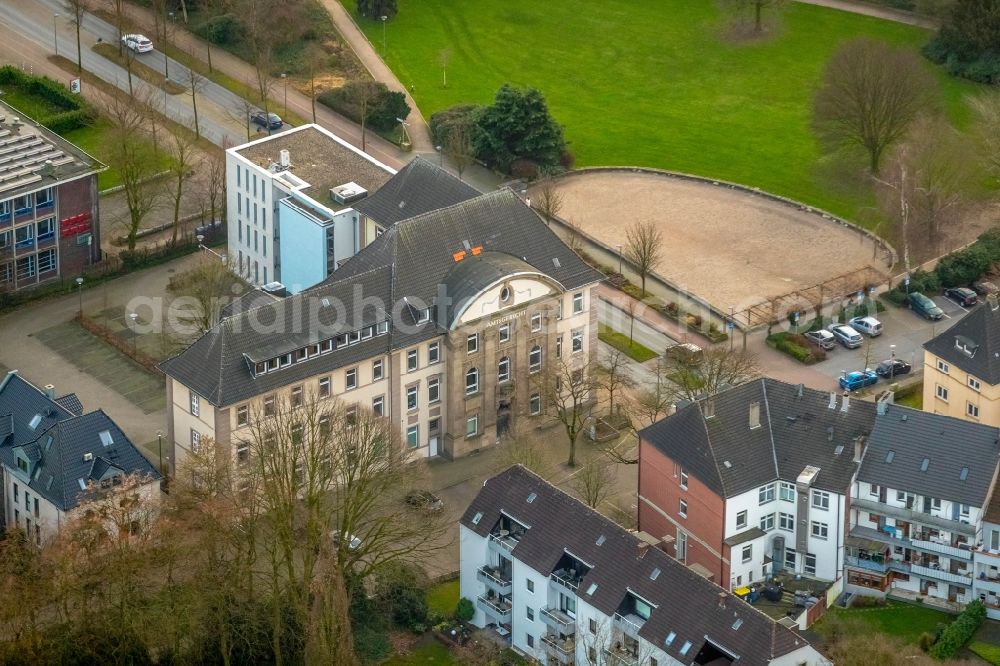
(846, 336)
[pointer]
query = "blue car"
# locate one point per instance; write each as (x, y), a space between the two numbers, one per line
(853, 381)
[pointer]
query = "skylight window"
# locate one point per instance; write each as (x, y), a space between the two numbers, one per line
(670, 637)
(685, 647)
(889, 456)
(655, 574)
(106, 439)
(738, 623)
(925, 464)
(964, 474)
(476, 518)
(600, 540)
(591, 589)
(531, 497)
(35, 420)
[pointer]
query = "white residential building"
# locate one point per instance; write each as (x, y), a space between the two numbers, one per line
(986, 560)
(597, 593)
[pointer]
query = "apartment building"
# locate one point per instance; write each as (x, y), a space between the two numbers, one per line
(597, 593)
(53, 457)
(962, 367)
(449, 324)
(986, 559)
(48, 204)
(918, 505)
(754, 481)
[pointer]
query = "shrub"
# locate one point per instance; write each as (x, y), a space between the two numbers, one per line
(960, 631)
(925, 641)
(443, 122)
(961, 268)
(896, 296)
(402, 590)
(464, 611)
(524, 169)
(383, 106)
(224, 30)
(796, 346)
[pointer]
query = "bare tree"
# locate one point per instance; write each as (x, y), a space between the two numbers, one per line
(196, 84)
(594, 482)
(458, 147)
(183, 160)
(243, 111)
(315, 60)
(119, 11)
(870, 94)
(653, 402)
(643, 248)
(526, 446)
(612, 376)
(986, 110)
(132, 156)
(214, 184)
(752, 11)
(444, 57)
(718, 369)
(77, 9)
(570, 393)
(548, 200)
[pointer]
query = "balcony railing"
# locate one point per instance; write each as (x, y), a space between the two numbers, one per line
(562, 650)
(501, 543)
(919, 544)
(870, 565)
(911, 515)
(558, 621)
(940, 574)
(620, 657)
(494, 580)
(501, 610)
(629, 624)
(565, 580)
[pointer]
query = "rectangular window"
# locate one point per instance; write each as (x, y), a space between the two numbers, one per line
(376, 370)
(741, 519)
(765, 494)
(26, 267)
(684, 479)
(941, 392)
(413, 436)
(45, 229)
(535, 404)
(942, 366)
(790, 559)
(23, 204)
(819, 530)
(972, 410)
(433, 390)
(559, 347)
(46, 261)
(351, 379)
(577, 337)
(683, 509)
(536, 322)
(472, 426)
(529, 585)
(821, 500)
(786, 521)
(472, 343)
(810, 567)
(195, 405)
(529, 613)
(578, 303)
(296, 400)
(43, 199)
(411, 398)
(378, 405)
(195, 440)
(873, 490)
(787, 492)
(965, 510)
(242, 454)
(748, 552)
(242, 416)
(530, 640)
(269, 406)
(433, 352)
(324, 387)
(973, 383)
(504, 333)
(767, 522)
(411, 360)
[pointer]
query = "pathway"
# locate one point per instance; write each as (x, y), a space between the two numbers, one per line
(876, 11)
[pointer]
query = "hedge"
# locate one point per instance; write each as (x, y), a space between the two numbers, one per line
(960, 631)
(796, 346)
(76, 113)
(383, 109)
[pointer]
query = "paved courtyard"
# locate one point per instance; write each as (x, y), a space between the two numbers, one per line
(727, 246)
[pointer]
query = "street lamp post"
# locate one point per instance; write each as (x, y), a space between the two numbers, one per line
(619, 259)
(55, 33)
(159, 446)
(79, 289)
(731, 326)
(166, 40)
(133, 316)
(892, 363)
(284, 82)
(440, 156)
(383, 19)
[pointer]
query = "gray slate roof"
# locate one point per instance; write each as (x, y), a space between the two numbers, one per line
(949, 444)
(686, 603)
(979, 332)
(797, 429)
(410, 260)
(419, 187)
(58, 443)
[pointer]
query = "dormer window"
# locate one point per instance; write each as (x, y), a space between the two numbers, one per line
(22, 465)
(424, 316)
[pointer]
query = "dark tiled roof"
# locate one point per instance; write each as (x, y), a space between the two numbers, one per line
(979, 333)
(410, 260)
(419, 187)
(992, 513)
(71, 403)
(949, 445)
(59, 442)
(797, 429)
(686, 603)
(254, 298)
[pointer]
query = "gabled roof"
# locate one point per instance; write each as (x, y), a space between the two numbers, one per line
(686, 604)
(419, 187)
(66, 450)
(408, 263)
(713, 440)
(953, 448)
(972, 344)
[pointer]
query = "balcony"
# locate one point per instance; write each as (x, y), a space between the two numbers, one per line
(926, 545)
(568, 580)
(563, 650)
(619, 656)
(869, 565)
(940, 574)
(496, 607)
(501, 543)
(496, 581)
(558, 621)
(629, 624)
(911, 515)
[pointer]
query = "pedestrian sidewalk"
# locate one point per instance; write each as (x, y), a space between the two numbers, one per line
(865, 9)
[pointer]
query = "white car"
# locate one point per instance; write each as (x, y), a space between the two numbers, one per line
(138, 43)
(867, 325)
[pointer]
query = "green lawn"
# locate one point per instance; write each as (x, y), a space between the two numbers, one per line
(620, 341)
(428, 654)
(649, 83)
(31, 105)
(986, 651)
(903, 621)
(443, 597)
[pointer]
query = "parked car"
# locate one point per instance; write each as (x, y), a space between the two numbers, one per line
(984, 287)
(424, 500)
(867, 325)
(853, 381)
(924, 306)
(138, 43)
(846, 335)
(962, 295)
(687, 353)
(822, 338)
(266, 120)
(353, 542)
(892, 367)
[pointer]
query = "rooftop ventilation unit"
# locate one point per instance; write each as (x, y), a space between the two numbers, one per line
(88, 456)
(274, 289)
(348, 193)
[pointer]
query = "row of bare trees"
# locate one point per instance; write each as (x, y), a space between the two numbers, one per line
(251, 558)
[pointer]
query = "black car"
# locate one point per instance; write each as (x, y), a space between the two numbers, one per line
(892, 368)
(962, 295)
(424, 500)
(266, 120)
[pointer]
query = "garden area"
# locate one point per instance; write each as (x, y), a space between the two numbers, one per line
(675, 94)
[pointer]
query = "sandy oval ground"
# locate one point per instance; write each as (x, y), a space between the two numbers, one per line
(727, 246)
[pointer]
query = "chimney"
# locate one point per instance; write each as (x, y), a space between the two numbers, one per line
(88, 456)
(881, 406)
(50, 391)
(643, 549)
(722, 599)
(286, 159)
(833, 400)
(858, 448)
(846, 403)
(799, 391)
(754, 415)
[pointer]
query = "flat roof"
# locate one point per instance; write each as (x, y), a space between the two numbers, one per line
(320, 158)
(32, 157)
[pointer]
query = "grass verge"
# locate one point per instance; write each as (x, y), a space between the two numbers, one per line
(630, 348)
(986, 651)
(903, 621)
(443, 598)
(139, 68)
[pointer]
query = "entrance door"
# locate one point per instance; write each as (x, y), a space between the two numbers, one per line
(433, 446)
(503, 418)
